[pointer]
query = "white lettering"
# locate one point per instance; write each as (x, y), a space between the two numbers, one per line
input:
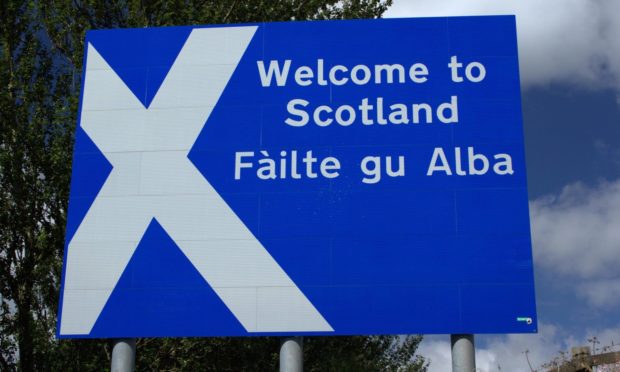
(274, 69)
(330, 167)
(438, 154)
(389, 73)
(351, 113)
(332, 75)
(238, 162)
(454, 68)
(373, 172)
(418, 73)
(472, 162)
(304, 75)
(505, 163)
(482, 72)
(453, 109)
(365, 76)
(293, 110)
(317, 116)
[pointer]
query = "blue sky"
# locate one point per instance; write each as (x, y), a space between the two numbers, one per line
(569, 54)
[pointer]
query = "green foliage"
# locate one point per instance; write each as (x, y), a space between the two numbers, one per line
(35, 143)
(41, 48)
(357, 353)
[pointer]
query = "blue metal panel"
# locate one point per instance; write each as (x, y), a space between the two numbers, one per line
(416, 253)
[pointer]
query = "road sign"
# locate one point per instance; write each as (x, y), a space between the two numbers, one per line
(330, 178)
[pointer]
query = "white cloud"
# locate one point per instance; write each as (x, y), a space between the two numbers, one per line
(438, 353)
(576, 235)
(507, 353)
(560, 41)
(503, 353)
(603, 293)
(577, 232)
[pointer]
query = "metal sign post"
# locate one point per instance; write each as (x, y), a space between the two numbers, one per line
(123, 355)
(292, 354)
(463, 353)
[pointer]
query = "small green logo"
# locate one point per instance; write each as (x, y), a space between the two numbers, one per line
(525, 319)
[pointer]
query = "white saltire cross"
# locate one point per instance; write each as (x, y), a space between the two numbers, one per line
(153, 178)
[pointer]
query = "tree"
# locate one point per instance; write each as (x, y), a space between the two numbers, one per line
(41, 54)
(35, 104)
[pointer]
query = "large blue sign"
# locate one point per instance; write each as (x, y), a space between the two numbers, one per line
(310, 178)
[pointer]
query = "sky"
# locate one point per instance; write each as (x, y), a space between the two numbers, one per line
(569, 53)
